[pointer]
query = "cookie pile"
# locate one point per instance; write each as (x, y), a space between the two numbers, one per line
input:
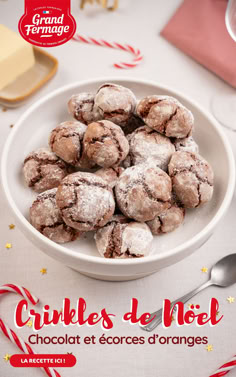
(123, 168)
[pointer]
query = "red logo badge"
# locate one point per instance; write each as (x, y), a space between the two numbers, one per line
(47, 23)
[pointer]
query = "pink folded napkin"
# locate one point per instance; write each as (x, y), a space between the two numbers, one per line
(198, 29)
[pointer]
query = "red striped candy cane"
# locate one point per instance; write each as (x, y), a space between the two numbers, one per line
(225, 368)
(118, 46)
(11, 335)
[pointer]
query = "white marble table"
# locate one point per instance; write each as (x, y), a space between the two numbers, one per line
(139, 24)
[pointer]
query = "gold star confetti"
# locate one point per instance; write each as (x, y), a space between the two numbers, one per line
(8, 245)
(172, 318)
(7, 357)
(29, 323)
(43, 271)
(189, 306)
(209, 347)
(69, 353)
(217, 313)
(230, 299)
(204, 269)
(11, 226)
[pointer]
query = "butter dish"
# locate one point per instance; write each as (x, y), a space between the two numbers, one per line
(16, 93)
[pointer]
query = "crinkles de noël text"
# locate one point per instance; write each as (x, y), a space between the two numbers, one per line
(78, 316)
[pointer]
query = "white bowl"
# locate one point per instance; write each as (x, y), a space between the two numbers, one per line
(31, 132)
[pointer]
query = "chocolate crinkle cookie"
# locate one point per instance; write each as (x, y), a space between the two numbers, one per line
(122, 238)
(110, 175)
(188, 144)
(105, 143)
(192, 178)
(43, 170)
(115, 103)
(145, 143)
(85, 200)
(46, 218)
(66, 140)
(81, 107)
(166, 115)
(143, 192)
(169, 220)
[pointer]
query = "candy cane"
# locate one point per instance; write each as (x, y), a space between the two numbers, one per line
(101, 42)
(225, 368)
(11, 335)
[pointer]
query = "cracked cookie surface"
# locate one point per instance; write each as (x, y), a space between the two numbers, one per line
(85, 200)
(169, 220)
(115, 103)
(81, 107)
(122, 238)
(105, 143)
(110, 175)
(145, 143)
(166, 115)
(43, 170)
(187, 144)
(66, 140)
(192, 178)
(46, 218)
(143, 192)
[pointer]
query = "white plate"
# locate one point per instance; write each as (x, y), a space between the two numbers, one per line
(32, 131)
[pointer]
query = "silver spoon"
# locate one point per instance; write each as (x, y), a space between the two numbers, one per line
(223, 274)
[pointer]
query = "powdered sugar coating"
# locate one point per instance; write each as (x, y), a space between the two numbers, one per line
(81, 107)
(188, 144)
(105, 143)
(192, 178)
(46, 218)
(43, 170)
(115, 103)
(166, 115)
(110, 175)
(123, 239)
(143, 192)
(145, 143)
(86, 201)
(66, 141)
(169, 220)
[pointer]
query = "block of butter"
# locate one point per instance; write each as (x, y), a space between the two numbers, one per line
(16, 56)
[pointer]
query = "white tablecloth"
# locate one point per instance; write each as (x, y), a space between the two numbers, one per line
(138, 23)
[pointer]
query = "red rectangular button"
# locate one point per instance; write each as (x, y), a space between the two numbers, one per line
(41, 360)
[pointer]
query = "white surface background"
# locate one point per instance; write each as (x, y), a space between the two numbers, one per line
(138, 23)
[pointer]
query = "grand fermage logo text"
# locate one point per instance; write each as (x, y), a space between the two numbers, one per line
(47, 25)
